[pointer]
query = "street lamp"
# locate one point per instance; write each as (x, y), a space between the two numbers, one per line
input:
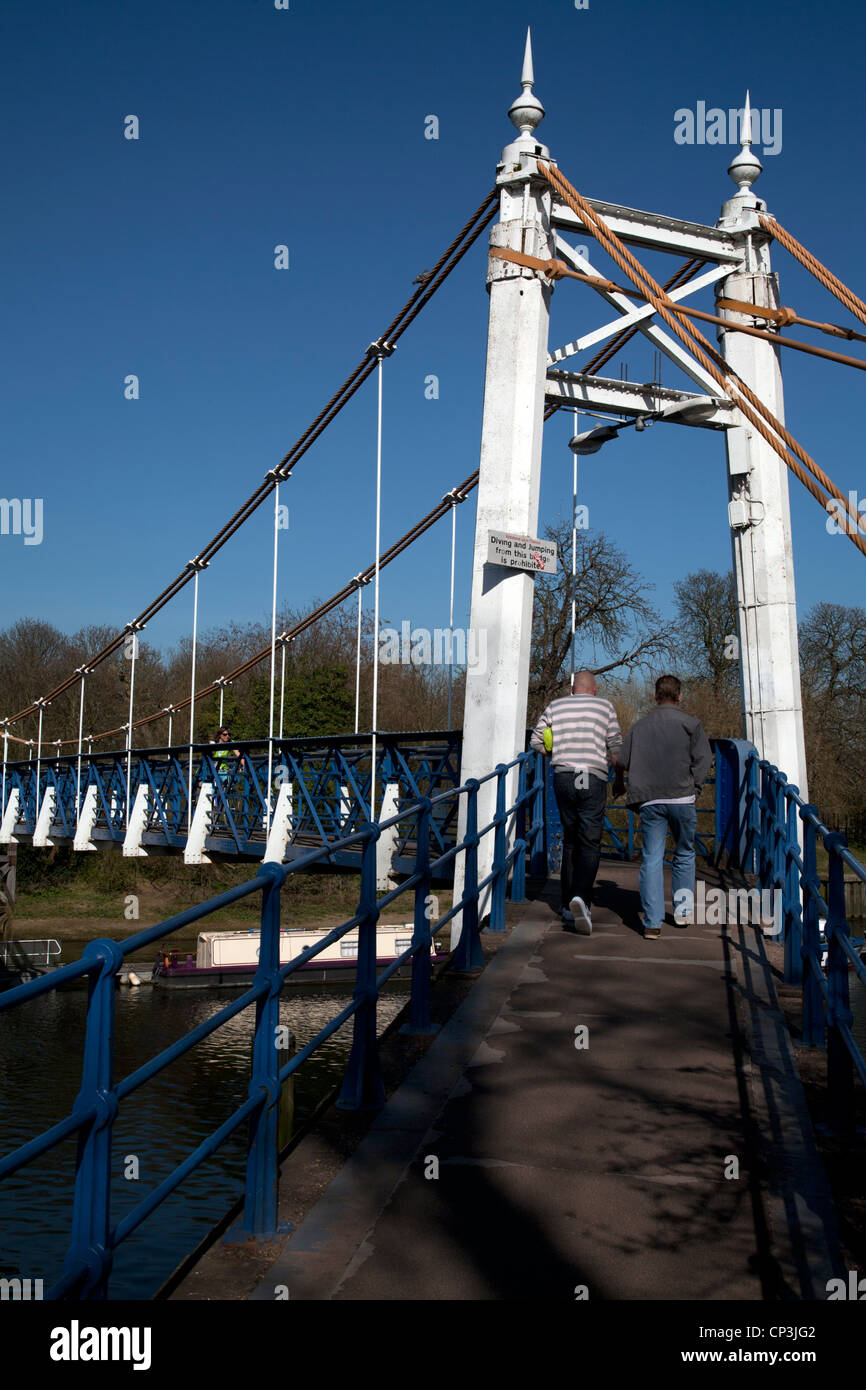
(694, 410)
(590, 441)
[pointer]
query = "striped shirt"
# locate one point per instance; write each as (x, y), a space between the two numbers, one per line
(586, 733)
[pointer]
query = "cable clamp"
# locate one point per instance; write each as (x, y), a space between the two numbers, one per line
(381, 348)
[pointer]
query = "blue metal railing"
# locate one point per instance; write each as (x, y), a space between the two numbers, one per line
(330, 780)
(94, 1239)
(780, 834)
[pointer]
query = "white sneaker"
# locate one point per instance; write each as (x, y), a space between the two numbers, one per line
(567, 918)
(582, 918)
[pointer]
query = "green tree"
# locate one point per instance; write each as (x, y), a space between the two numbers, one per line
(317, 701)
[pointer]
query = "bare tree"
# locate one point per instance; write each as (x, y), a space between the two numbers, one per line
(706, 624)
(833, 677)
(833, 652)
(613, 617)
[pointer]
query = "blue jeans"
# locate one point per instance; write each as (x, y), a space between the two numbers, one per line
(654, 824)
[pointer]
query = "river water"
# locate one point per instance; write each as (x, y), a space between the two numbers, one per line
(40, 1063)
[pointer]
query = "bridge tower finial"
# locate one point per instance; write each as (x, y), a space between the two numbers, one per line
(526, 111)
(746, 167)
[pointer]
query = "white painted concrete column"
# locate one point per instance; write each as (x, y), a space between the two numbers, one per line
(759, 510)
(494, 726)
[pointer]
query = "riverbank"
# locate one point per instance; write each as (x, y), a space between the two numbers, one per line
(75, 933)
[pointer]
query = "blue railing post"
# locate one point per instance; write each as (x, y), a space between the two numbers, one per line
(469, 955)
(260, 1197)
(792, 913)
(538, 834)
(751, 857)
(518, 874)
(500, 860)
(780, 837)
(765, 863)
(722, 804)
(813, 1002)
(362, 1087)
(419, 1002)
(89, 1246)
(840, 1069)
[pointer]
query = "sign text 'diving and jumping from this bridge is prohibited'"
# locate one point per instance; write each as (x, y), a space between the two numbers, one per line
(521, 552)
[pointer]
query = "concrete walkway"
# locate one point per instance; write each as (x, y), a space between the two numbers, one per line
(604, 1117)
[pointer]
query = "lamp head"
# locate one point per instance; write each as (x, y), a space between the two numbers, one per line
(590, 441)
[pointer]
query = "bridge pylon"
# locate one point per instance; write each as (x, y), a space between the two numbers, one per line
(759, 509)
(494, 723)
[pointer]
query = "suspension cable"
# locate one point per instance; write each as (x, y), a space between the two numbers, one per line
(197, 566)
(83, 670)
(385, 348)
(830, 281)
(462, 491)
(431, 281)
(454, 501)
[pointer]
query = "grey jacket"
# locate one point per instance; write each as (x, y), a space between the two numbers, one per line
(666, 754)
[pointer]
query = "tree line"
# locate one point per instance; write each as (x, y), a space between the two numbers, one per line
(619, 634)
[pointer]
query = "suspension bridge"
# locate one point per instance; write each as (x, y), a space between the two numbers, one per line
(472, 808)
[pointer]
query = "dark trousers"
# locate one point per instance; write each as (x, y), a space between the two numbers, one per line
(582, 814)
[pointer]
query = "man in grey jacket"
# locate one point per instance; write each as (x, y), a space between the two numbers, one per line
(667, 756)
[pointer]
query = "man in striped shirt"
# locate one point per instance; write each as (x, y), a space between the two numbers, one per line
(582, 734)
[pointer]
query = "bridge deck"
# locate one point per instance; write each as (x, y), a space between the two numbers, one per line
(602, 1166)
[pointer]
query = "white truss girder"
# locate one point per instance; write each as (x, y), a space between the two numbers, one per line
(281, 826)
(631, 398)
(45, 819)
(654, 231)
(132, 843)
(386, 844)
(11, 817)
(669, 346)
(637, 314)
(194, 852)
(86, 821)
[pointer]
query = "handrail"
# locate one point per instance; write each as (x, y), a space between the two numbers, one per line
(93, 1239)
(782, 833)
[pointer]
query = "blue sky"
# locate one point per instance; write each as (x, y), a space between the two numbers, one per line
(306, 127)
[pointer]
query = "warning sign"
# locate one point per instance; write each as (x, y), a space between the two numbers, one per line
(521, 552)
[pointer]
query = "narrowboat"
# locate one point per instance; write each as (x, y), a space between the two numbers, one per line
(230, 958)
